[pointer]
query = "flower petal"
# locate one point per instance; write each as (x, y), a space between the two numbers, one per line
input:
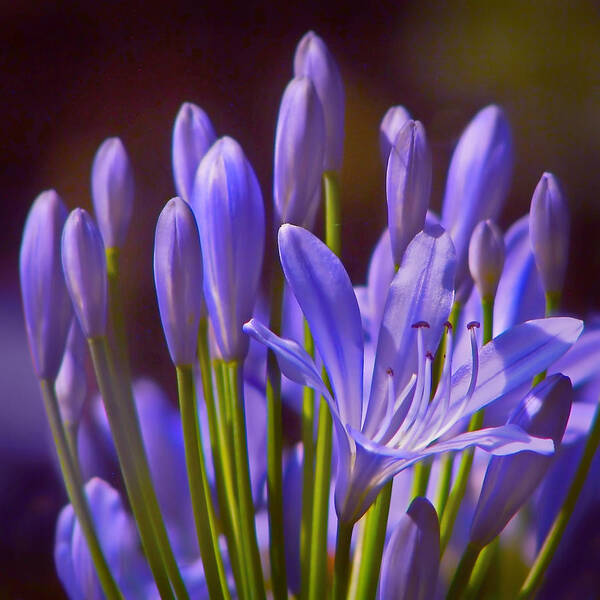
(324, 292)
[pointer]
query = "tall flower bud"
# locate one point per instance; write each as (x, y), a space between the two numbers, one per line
(228, 206)
(478, 183)
(193, 135)
(178, 279)
(408, 185)
(486, 258)
(313, 60)
(84, 265)
(71, 384)
(391, 124)
(549, 226)
(510, 480)
(411, 560)
(112, 191)
(299, 152)
(46, 303)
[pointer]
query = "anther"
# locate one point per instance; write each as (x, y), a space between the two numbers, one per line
(390, 371)
(473, 324)
(420, 324)
(429, 355)
(448, 326)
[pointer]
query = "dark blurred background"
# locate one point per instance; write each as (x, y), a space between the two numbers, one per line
(74, 73)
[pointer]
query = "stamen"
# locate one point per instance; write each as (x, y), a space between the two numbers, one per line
(420, 324)
(473, 324)
(420, 420)
(474, 369)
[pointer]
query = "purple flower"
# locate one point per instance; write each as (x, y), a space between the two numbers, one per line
(391, 124)
(313, 60)
(486, 258)
(193, 135)
(477, 185)
(112, 191)
(396, 425)
(84, 265)
(228, 206)
(178, 279)
(411, 560)
(549, 225)
(408, 185)
(299, 152)
(46, 303)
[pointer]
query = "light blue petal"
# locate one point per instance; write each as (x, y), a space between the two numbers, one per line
(581, 362)
(63, 558)
(422, 290)
(379, 276)
(324, 292)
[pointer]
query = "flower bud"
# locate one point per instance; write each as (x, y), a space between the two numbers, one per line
(313, 60)
(510, 480)
(46, 304)
(228, 206)
(193, 135)
(112, 191)
(71, 383)
(549, 225)
(391, 124)
(408, 185)
(411, 560)
(84, 265)
(477, 185)
(178, 279)
(299, 151)
(486, 258)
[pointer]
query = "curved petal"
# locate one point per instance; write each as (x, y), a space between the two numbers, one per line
(581, 362)
(379, 276)
(422, 290)
(324, 292)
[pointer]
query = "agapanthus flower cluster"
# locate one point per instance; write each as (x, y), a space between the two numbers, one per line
(327, 434)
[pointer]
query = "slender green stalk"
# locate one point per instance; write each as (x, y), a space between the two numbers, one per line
(275, 448)
(221, 462)
(361, 532)
(374, 540)
(463, 573)
(466, 460)
(333, 219)
(134, 467)
(341, 569)
(71, 430)
(482, 566)
(242, 470)
(538, 569)
(308, 473)
(204, 513)
(421, 478)
(75, 492)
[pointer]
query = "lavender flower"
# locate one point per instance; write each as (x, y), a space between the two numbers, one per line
(193, 135)
(391, 124)
(486, 258)
(299, 152)
(46, 303)
(84, 265)
(400, 426)
(228, 206)
(313, 60)
(178, 279)
(112, 191)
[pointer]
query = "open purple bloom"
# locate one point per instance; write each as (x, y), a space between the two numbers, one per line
(396, 425)
(46, 303)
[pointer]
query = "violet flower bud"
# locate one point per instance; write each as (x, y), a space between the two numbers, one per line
(313, 60)
(411, 560)
(391, 124)
(549, 226)
(486, 258)
(477, 185)
(71, 383)
(408, 185)
(46, 305)
(112, 191)
(84, 265)
(178, 279)
(299, 152)
(228, 206)
(510, 480)
(193, 135)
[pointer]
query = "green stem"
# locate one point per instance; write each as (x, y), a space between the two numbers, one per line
(221, 459)
(341, 569)
(463, 573)
(308, 473)
(487, 306)
(421, 478)
(333, 221)
(242, 470)
(481, 568)
(374, 540)
(71, 430)
(274, 448)
(538, 569)
(204, 513)
(75, 492)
